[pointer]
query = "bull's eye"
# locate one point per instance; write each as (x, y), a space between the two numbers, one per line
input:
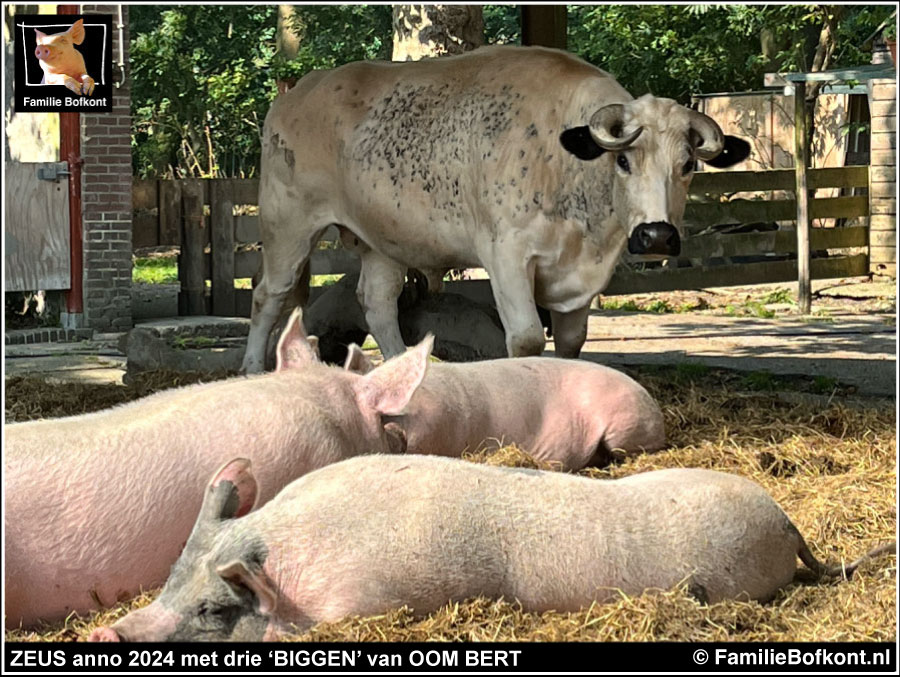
(687, 168)
(622, 161)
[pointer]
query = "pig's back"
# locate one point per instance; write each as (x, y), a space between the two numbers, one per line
(562, 411)
(423, 531)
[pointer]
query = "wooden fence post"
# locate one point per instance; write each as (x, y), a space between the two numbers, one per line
(192, 298)
(801, 153)
(221, 218)
(169, 212)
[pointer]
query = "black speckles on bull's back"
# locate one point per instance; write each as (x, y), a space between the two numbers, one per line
(275, 143)
(421, 135)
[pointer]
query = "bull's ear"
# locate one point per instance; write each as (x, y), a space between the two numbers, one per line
(239, 574)
(76, 32)
(231, 492)
(579, 142)
(313, 342)
(396, 438)
(735, 150)
(389, 388)
(294, 350)
(357, 361)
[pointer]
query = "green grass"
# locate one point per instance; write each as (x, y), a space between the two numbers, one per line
(156, 270)
(780, 295)
(690, 371)
(749, 308)
(186, 342)
(660, 307)
(824, 385)
(760, 380)
(629, 305)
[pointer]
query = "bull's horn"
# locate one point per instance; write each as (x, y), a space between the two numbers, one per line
(606, 128)
(712, 141)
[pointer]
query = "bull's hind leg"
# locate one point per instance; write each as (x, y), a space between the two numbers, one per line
(283, 266)
(512, 283)
(380, 284)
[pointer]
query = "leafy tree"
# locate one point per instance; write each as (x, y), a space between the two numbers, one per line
(200, 87)
(675, 51)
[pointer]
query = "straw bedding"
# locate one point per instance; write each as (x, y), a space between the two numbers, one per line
(829, 465)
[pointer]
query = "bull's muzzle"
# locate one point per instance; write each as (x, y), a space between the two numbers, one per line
(658, 238)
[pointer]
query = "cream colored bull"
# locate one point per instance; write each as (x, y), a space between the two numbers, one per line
(525, 161)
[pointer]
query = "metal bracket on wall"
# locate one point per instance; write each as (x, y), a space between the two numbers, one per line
(53, 172)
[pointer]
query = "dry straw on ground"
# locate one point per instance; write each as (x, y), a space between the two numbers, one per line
(830, 466)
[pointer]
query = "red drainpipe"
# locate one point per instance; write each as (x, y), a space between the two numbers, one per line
(70, 151)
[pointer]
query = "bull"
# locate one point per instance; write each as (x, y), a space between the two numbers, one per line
(526, 161)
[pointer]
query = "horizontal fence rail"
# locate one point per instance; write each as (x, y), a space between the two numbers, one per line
(214, 223)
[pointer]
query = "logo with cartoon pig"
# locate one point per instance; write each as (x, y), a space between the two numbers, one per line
(63, 63)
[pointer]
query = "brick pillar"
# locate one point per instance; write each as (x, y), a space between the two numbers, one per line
(882, 178)
(106, 196)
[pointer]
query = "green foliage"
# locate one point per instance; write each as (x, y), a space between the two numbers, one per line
(203, 76)
(690, 371)
(661, 306)
(760, 380)
(501, 24)
(332, 35)
(679, 50)
(200, 82)
(158, 270)
(780, 295)
(824, 385)
(749, 308)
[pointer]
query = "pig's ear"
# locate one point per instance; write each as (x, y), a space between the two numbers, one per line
(231, 492)
(294, 350)
(357, 361)
(40, 36)
(388, 389)
(237, 573)
(76, 32)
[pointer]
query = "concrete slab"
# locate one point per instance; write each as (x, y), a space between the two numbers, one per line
(857, 350)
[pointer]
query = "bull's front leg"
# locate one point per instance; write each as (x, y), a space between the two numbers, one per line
(512, 282)
(570, 331)
(380, 284)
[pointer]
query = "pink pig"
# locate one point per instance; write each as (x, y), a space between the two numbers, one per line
(375, 533)
(61, 62)
(567, 412)
(99, 506)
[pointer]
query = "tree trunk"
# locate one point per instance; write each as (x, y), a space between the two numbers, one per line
(434, 30)
(287, 42)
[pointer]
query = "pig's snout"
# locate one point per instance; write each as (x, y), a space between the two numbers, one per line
(42, 52)
(104, 635)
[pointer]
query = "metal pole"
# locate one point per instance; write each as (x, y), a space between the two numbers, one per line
(801, 160)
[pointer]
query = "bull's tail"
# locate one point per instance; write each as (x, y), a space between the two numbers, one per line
(845, 571)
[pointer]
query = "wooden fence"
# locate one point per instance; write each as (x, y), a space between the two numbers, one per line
(220, 243)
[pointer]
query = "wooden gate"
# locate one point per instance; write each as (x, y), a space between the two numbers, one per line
(36, 237)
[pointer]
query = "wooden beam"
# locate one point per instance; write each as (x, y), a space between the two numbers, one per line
(544, 25)
(221, 217)
(801, 158)
(192, 298)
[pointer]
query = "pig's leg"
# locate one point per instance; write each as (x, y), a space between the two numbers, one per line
(569, 331)
(512, 283)
(87, 84)
(380, 284)
(71, 83)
